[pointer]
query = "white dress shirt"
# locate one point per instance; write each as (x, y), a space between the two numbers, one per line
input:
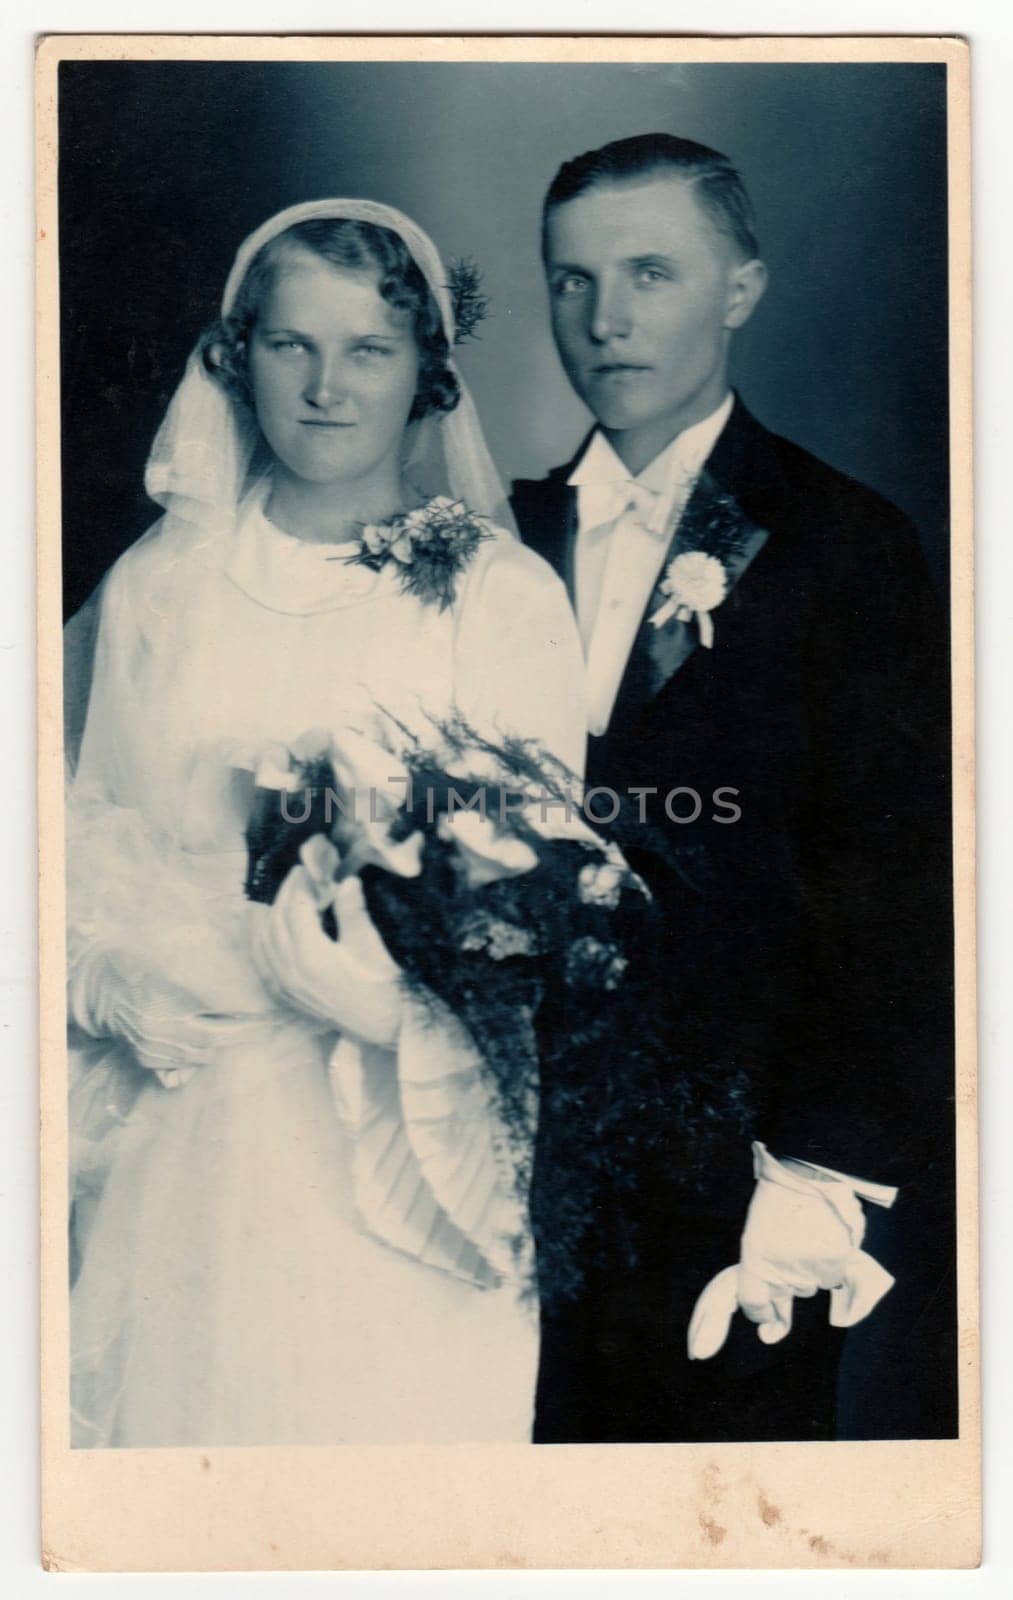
(625, 526)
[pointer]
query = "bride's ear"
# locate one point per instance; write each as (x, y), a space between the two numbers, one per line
(747, 281)
(222, 357)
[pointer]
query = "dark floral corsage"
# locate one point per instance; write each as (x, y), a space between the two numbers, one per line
(430, 547)
(714, 535)
(470, 305)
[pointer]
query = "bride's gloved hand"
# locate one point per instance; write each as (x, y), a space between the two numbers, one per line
(155, 949)
(115, 993)
(803, 1233)
(351, 983)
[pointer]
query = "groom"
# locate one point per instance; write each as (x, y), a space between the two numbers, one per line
(779, 706)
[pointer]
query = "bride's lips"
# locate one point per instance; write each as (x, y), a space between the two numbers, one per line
(317, 422)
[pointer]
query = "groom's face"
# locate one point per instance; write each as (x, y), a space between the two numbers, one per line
(642, 288)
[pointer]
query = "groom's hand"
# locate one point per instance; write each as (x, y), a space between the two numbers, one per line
(803, 1233)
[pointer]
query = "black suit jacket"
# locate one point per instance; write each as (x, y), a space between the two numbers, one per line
(821, 947)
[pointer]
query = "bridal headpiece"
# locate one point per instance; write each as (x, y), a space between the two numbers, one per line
(200, 464)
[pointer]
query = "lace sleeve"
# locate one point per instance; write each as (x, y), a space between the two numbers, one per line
(148, 929)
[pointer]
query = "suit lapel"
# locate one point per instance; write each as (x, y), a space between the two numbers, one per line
(547, 514)
(742, 466)
(568, 564)
(741, 469)
(670, 645)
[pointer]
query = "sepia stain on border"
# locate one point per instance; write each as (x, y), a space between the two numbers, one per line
(712, 1531)
(712, 1486)
(769, 1513)
(508, 1560)
(713, 1493)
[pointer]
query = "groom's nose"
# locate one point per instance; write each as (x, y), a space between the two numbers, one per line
(610, 313)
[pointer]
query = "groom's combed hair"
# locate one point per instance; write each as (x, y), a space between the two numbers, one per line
(718, 185)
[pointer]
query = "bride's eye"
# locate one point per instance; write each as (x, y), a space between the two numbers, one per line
(287, 344)
(370, 350)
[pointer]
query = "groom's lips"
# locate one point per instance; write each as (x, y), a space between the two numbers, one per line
(608, 369)
(318, 422)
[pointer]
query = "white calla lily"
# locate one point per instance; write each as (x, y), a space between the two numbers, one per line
(369, 770)
(485, 853)
(376, 783)
(321, 859)
(272, 769)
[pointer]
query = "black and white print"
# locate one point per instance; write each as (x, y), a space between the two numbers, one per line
(507, 731)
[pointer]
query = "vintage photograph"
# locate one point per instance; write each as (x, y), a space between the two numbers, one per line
(508, 884)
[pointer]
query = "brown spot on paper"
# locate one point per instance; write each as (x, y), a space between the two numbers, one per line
(713, 1493)
(712, 1531)
(769, 1513)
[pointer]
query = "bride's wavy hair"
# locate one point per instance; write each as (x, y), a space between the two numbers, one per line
(352, 246)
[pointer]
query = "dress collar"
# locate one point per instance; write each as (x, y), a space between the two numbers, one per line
(295, 576)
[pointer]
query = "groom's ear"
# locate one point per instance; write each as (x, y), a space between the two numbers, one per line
(747, 281)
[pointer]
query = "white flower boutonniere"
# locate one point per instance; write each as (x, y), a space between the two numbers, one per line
(430, 547)
(717, 541)
(694, 584)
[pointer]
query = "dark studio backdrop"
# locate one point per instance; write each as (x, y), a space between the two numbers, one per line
(165, 167)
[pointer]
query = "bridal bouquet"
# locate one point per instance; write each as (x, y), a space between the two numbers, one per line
(495, 896)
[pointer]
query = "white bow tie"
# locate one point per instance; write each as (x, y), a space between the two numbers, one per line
(622, 500)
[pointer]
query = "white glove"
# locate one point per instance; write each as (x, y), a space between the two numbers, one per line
(156, 953)
(352, 984)
(802, 1234)
(116, 994)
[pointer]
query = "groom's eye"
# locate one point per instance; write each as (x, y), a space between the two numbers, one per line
(569, 283)
(649, 276)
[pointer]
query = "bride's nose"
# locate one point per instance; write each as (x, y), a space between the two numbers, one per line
(325, 385)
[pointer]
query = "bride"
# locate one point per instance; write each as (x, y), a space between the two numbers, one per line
(288, 1210)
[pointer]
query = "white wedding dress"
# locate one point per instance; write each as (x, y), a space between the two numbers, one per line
(309, 1242)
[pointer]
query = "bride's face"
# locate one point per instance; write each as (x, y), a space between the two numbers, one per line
(334, 370)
